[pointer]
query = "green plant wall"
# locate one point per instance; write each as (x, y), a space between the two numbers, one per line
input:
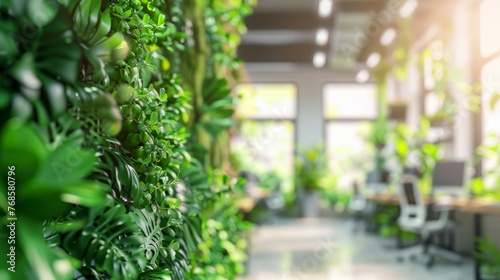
(100, 126)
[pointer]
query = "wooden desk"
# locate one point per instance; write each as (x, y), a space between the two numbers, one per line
(475, 206)
(246, 204)
(466, 205)
(384, 198)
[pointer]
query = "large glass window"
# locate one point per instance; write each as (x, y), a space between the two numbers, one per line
(266, 101)
(265, 139)
(490, 38)
(349, 111)
(490, 84)
(349, 101)
(490, 55)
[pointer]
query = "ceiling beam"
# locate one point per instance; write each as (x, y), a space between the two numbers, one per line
(287, 20)
(295, 53)
(360, 5)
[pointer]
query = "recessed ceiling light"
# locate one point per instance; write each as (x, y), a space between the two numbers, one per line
(373, 60)
(319, 59)
(388, 37)
(408, 8)
(363, 76)
(325, 8)
(322, 36)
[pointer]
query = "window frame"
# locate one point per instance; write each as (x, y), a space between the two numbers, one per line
(277, 119)
(349, 120)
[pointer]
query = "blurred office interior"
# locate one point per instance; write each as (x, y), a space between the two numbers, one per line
(368, 133)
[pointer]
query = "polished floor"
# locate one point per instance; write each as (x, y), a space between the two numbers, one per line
(327, 249)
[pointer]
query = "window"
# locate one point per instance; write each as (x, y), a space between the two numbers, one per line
(490, 38)
(490, 84)
(349, 111)
(266, 101)
(490, 73)
(265, 137)
(490, 46)
(349, 101)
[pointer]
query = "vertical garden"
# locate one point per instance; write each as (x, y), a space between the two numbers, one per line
(113, 139)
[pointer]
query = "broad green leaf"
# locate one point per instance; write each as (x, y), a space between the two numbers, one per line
(24, 72)
(45, 261)
(21, 146)
(103, 28)
(494, 99)
(66, 165)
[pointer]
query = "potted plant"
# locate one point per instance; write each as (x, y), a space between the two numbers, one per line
(310, 169)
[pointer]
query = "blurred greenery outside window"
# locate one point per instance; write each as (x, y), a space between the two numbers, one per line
(264, 142)
(350, 111)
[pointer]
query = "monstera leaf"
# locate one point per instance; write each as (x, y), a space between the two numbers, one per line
(49, 178)
(151, 229)
(218, 106)
(115, 171)
(92, 27)
(110, 243)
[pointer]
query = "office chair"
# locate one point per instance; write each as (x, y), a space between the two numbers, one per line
(415, 216)
(359, 206)
(275, 200)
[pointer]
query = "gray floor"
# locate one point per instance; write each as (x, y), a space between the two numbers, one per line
(326, 249)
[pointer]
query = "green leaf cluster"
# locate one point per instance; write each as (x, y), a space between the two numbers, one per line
(97, 117)
(311, 168)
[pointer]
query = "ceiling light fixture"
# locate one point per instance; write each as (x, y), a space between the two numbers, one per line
(322, 36)
(373, 60)
(325, 8)
(408, 8)
(388, 37)
(363, 76)
(319, 59)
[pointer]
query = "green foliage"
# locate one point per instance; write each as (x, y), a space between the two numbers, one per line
(311, 168)
(110, 243)
(94, 115)
(488, 255)
(385, 218)
(52, 177)
(213, 118)
(221, 253)
(488, 184)
(378, 138)
(413, 150)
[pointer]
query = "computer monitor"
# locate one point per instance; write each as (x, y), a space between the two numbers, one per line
(377, 181)
(449, 178)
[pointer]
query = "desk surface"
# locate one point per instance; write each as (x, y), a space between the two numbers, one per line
(468, 205)
(246, 204)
